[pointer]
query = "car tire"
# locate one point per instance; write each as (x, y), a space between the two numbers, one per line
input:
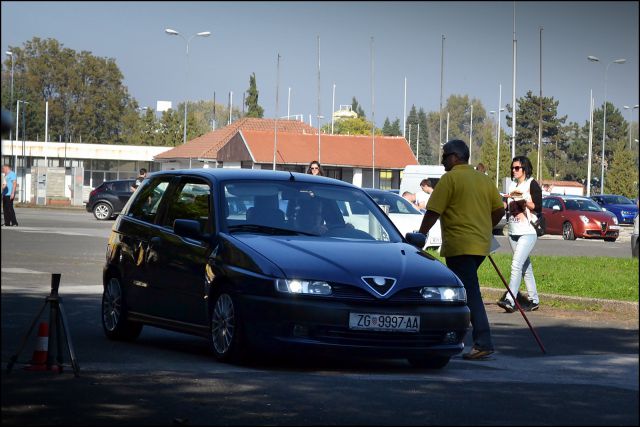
(226, 328)
(114, 314)
(102, 211)
(567, 231)
(429, 362)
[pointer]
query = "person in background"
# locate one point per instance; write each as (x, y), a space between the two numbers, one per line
(422, 196)
(524, 205)
(8, 196)
(409, 196)
(139, 179)
(315, 168)
(468, 206)
(480, 167)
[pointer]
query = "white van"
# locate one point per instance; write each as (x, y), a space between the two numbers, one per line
(413, 174)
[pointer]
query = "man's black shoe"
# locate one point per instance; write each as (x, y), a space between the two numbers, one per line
(531, 306)
(506, 306)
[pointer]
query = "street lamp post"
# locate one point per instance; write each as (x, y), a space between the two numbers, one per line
(200, 34)
(626, 107)
(470, 132)
(604, 107)
(11, 130)
(498, 147)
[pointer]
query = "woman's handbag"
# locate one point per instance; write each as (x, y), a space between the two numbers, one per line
(540, 225)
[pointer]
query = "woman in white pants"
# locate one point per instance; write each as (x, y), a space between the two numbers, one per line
(524, 206)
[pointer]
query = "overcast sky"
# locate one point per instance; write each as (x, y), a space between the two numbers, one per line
(247, 36)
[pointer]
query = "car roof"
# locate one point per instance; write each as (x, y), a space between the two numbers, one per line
(220, 174)
(569, 197)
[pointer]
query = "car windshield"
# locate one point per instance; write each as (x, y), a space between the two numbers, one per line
(396, 204)
(582, 205)
(616, 200)
(306, 209)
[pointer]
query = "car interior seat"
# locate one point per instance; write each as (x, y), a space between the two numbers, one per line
(265, 212)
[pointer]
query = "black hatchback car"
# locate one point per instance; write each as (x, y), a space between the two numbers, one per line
(108, 199)
(265, 260)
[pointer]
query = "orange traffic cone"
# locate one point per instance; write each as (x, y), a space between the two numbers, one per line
(41, 352)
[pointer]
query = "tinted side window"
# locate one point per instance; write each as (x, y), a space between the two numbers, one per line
(191, 200)
(122, 186)
(145, 207)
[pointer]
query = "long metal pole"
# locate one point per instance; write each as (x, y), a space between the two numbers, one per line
(604, 127)
(441, 80)
(404, 114)
(275, 125)
(447, 139)
(15, 159)
(418, 145)
(471, 132)
(186, 97)
(539, 169)
(498, 140)
(333, 105)
(373, 124)
(513, 99)
(319, 147)
(289, 104)
(590, 142)
(46, 140)
(11, 130)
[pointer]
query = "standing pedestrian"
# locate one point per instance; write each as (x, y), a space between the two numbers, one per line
(422, 196)
(469, 206)
(524, 205)
(139, 179)
(8, 195)
(315, 168)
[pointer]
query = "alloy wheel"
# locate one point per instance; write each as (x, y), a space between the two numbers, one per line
(223, 322)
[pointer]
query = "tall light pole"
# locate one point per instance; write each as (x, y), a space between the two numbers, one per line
(513, 101)
(373, 125)
(319, 115)
(275, 122)
(24, 159)
(604, 107)
(11, 130)
(186, 99)
(626, 107)
(471, 132)
(590, 143)
(500, 110)
(441, 77)
(539, 163)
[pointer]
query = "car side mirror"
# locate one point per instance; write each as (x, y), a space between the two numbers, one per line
(604, 209)
(556, 208)
(189, 228)
(416, 239)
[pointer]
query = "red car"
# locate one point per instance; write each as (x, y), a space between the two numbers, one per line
(575, 216)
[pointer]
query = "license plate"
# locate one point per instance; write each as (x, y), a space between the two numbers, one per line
(614, 227)
(384, 322)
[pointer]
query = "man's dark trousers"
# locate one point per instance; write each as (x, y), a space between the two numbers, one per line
(466, 268)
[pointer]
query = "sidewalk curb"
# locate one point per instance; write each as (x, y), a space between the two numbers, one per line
(591, 304)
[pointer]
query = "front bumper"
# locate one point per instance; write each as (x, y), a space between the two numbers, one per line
(297, 323)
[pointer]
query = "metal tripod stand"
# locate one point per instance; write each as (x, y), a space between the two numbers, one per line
(59, 327)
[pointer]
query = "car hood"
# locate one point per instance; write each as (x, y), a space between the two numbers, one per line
(347, 261)
(620, 207)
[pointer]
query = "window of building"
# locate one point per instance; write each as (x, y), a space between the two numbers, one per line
(385, 177)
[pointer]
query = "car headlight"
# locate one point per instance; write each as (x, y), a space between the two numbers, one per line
(444, 293)
(584, 219)
(615, 219)
(305, 287)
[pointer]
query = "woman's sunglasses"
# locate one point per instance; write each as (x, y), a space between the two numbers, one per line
(516, 168)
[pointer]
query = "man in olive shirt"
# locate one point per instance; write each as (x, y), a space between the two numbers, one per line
(469, 206)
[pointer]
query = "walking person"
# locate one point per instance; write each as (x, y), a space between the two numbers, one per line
(141, 177)
(315, 169)
(524, 205)
(8, 196)
(469, 206)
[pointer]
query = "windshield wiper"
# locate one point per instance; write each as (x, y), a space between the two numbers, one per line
(267, 229)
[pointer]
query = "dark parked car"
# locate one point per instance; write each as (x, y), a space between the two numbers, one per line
(623, 208)
(576, 216)
(266, 260)
(108, 199)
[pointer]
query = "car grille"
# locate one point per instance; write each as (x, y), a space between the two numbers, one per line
(603, 225)
(346, 336)
(352, 293)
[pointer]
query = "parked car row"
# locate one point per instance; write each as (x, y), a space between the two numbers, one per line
(576, 216)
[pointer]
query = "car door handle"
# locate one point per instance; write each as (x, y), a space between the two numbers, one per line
(155, 243)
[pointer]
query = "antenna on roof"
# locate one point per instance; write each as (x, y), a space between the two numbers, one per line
(291, 177)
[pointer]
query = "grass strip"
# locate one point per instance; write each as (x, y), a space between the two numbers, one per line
(588, 277)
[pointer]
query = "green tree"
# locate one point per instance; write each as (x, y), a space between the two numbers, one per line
(395, 128)
(622, 175)
(253, 109)
(489, 155)
(357, 108)
(351, 126)
(386, 127)
(86, 95)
